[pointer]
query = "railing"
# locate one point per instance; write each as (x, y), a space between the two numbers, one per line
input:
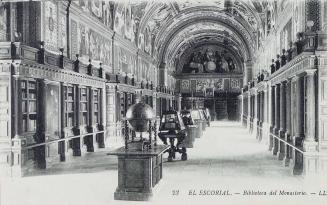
(287, 143)
(17, 50)
(60, 140)
(292, 151)
(285, 148)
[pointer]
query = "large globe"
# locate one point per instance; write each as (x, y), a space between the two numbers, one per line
(139, 115)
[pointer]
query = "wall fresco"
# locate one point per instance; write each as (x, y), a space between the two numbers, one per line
(51, 26)
(93, 46)
(3, 19)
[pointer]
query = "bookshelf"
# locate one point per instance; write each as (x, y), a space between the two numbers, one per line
(96, 106)
(84, 109)
(29, 105)
(69, 100)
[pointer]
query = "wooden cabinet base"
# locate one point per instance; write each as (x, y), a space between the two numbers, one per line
(132, 196)
(138, 172)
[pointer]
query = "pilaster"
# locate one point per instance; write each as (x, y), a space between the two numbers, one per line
(273, 115)
(255, 112)
(111, 134)
(310, 144)
(282, 121)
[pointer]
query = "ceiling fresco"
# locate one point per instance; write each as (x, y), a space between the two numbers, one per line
(168, 30)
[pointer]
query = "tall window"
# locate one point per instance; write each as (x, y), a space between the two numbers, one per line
(29, 105)
(69, 111)
(84, 100)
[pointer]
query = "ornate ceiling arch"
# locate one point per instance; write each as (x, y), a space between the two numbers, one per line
(199, 15)
(167, 29)
(210, 33)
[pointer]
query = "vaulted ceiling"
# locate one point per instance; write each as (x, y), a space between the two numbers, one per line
(170, 29)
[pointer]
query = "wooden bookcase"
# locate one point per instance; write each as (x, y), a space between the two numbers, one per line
(29, 105)
(69, 107)
(84, 106)
(96, 106)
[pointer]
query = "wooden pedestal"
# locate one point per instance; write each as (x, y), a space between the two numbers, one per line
(138, 172)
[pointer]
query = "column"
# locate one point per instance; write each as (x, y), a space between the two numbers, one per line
(300, 109)
(62, 144)
(76, 142)
(277, 118)
(245, 109)
(288, 99)
(299, 130)
(293, 116)
(40, 151)
(282, 121)
(242, 107)
(179, 101)
(255, 116)
(309, 141)
(258, 115)
(252, 112)
(272, 115)
(249, 109)
(262, 108)
(265, 116)
(162, 74)
(111, 112)
(247, 72)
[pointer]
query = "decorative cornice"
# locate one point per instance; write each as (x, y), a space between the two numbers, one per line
(208, 75)
(295, 67)
(126, 88)
(48, 72)
(262, 86)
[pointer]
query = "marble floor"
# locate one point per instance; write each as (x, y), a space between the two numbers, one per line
(225, 160)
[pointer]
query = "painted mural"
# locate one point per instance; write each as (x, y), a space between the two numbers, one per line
(51, 26)
(62, 33)
(2, 23)
(147, 33)
(125, 24)
(99, 9)
(119, 23)
(208, 60)
(93, 46)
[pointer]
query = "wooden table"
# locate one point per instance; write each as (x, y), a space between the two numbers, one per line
(138, 172)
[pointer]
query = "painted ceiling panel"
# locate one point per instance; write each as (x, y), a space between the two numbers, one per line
(167, 29)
